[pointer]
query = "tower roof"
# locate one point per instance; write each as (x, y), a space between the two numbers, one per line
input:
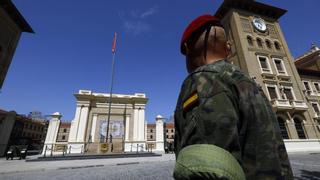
(252, 6)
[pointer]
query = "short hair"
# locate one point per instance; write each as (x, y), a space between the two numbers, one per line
(216, 36)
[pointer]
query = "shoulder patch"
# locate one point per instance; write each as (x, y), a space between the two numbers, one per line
(191, 101)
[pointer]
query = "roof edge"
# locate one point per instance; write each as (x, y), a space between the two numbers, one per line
(15, 15)
(250, 5)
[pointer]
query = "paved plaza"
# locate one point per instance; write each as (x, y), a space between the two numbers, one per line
(305, 166)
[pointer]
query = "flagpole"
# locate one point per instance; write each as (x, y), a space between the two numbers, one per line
(111, 85)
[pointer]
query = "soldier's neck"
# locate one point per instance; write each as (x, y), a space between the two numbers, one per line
(211, 58)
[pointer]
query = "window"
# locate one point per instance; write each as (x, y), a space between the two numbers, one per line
(264, 64)
(167, 130)
(167, 136)
(151, 130)
(151, 137)
(172, 130)
(64, 130)
(272, 92)
(315, 107)
(259, 42)
(277, 45)
(63, 137)
(249, 39)
(317, 86)
(268, 43)
(299, 128)
(283, 128)
(279, 66)
(307, 87)
(288, 92)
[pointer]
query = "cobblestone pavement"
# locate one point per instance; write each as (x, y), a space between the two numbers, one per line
(305, 166)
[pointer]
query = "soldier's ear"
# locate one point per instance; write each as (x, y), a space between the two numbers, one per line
(186, 48)
(228, 48)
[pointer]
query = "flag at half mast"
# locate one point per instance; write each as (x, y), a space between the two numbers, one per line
(114, 43)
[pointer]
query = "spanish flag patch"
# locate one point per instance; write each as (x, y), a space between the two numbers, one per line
(191, 101)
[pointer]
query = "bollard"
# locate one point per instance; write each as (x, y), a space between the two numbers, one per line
(137, 148)
(51, 150)
(45, 150)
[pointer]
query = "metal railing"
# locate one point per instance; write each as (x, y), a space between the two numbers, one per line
(64, 149)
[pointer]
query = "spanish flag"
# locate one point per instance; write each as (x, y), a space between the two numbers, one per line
(114, 42)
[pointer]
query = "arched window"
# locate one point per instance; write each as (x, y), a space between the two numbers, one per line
(259, 42)
(283, 128)
(277, 45)
(299, 128)
(250, 41)
(268, 44)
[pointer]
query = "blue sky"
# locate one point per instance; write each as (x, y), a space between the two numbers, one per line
(71, 50)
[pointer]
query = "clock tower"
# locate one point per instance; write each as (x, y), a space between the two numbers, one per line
(260, 50)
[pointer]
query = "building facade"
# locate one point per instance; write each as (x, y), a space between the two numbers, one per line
(63, 132)
(260, 50)
(308, 66)
(160, 133)
(17, 129)
(151, 136)
(12, 24)
(169, 133)
(89, 128)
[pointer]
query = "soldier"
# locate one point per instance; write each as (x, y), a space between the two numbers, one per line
(225, 126)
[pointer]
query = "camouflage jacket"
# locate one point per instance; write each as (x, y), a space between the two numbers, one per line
(220, 105)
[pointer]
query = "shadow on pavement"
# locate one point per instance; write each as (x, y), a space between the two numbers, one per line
(305, 174)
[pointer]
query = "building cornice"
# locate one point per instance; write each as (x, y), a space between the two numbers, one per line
(15, 15)
(251, 6)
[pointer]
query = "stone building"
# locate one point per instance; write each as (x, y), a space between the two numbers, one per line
(12, 24)
(17, 129)
(160, 133)
(89, 128)
(63, 132)
(308, 66)
(260, 50)
(151, 136)
(169, 132)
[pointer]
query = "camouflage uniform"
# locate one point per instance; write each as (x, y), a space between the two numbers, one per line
(219, 105)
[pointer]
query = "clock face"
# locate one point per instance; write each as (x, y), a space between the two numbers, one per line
(259, 24)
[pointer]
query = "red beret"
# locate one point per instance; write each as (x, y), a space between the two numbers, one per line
(196, 25)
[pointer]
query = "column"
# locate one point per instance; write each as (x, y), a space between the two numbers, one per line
(135, 124)
(52, 132)
(74, 125)
(94, 127)
(159, 134)
(127, 128)
(141, 132)
(83, 124)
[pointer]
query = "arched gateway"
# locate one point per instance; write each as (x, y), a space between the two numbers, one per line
(88, 130)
